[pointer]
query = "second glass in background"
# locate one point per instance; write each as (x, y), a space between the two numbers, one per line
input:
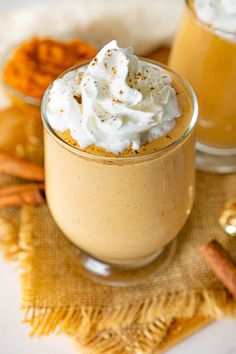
(206, 56)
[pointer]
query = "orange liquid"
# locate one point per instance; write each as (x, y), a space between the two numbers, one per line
(208, 61)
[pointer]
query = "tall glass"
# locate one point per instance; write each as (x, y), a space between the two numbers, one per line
(121, 211)
(206, 56)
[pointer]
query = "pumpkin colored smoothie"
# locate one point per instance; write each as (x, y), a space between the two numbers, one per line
(119, 156)
(204, 51)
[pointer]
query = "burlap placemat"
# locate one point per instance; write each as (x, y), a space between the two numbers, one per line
(57, 296)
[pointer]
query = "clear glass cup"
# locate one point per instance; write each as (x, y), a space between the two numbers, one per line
(20, 115)
(122, 212)
(207, 58)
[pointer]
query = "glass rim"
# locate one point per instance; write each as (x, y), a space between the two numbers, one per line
(14, 45)
(217, 30)
(124, 159)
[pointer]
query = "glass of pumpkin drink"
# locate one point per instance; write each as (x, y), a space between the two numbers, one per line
(204, 51)
(119, 161)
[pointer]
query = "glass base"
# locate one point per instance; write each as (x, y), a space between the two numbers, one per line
(127, 275)
(215, 160)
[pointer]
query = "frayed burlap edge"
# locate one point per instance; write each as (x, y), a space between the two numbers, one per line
(9, 241)
(136, 339)
(142, 340)
(88, 321)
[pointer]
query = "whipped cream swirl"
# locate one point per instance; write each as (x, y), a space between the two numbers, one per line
(115, 102)
(220, 14)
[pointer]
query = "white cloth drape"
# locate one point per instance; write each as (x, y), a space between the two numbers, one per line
(143, 24)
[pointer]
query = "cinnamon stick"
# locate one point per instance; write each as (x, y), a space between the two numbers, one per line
(17, 167)
(221, 264)
(18, 195)
(20, 188)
